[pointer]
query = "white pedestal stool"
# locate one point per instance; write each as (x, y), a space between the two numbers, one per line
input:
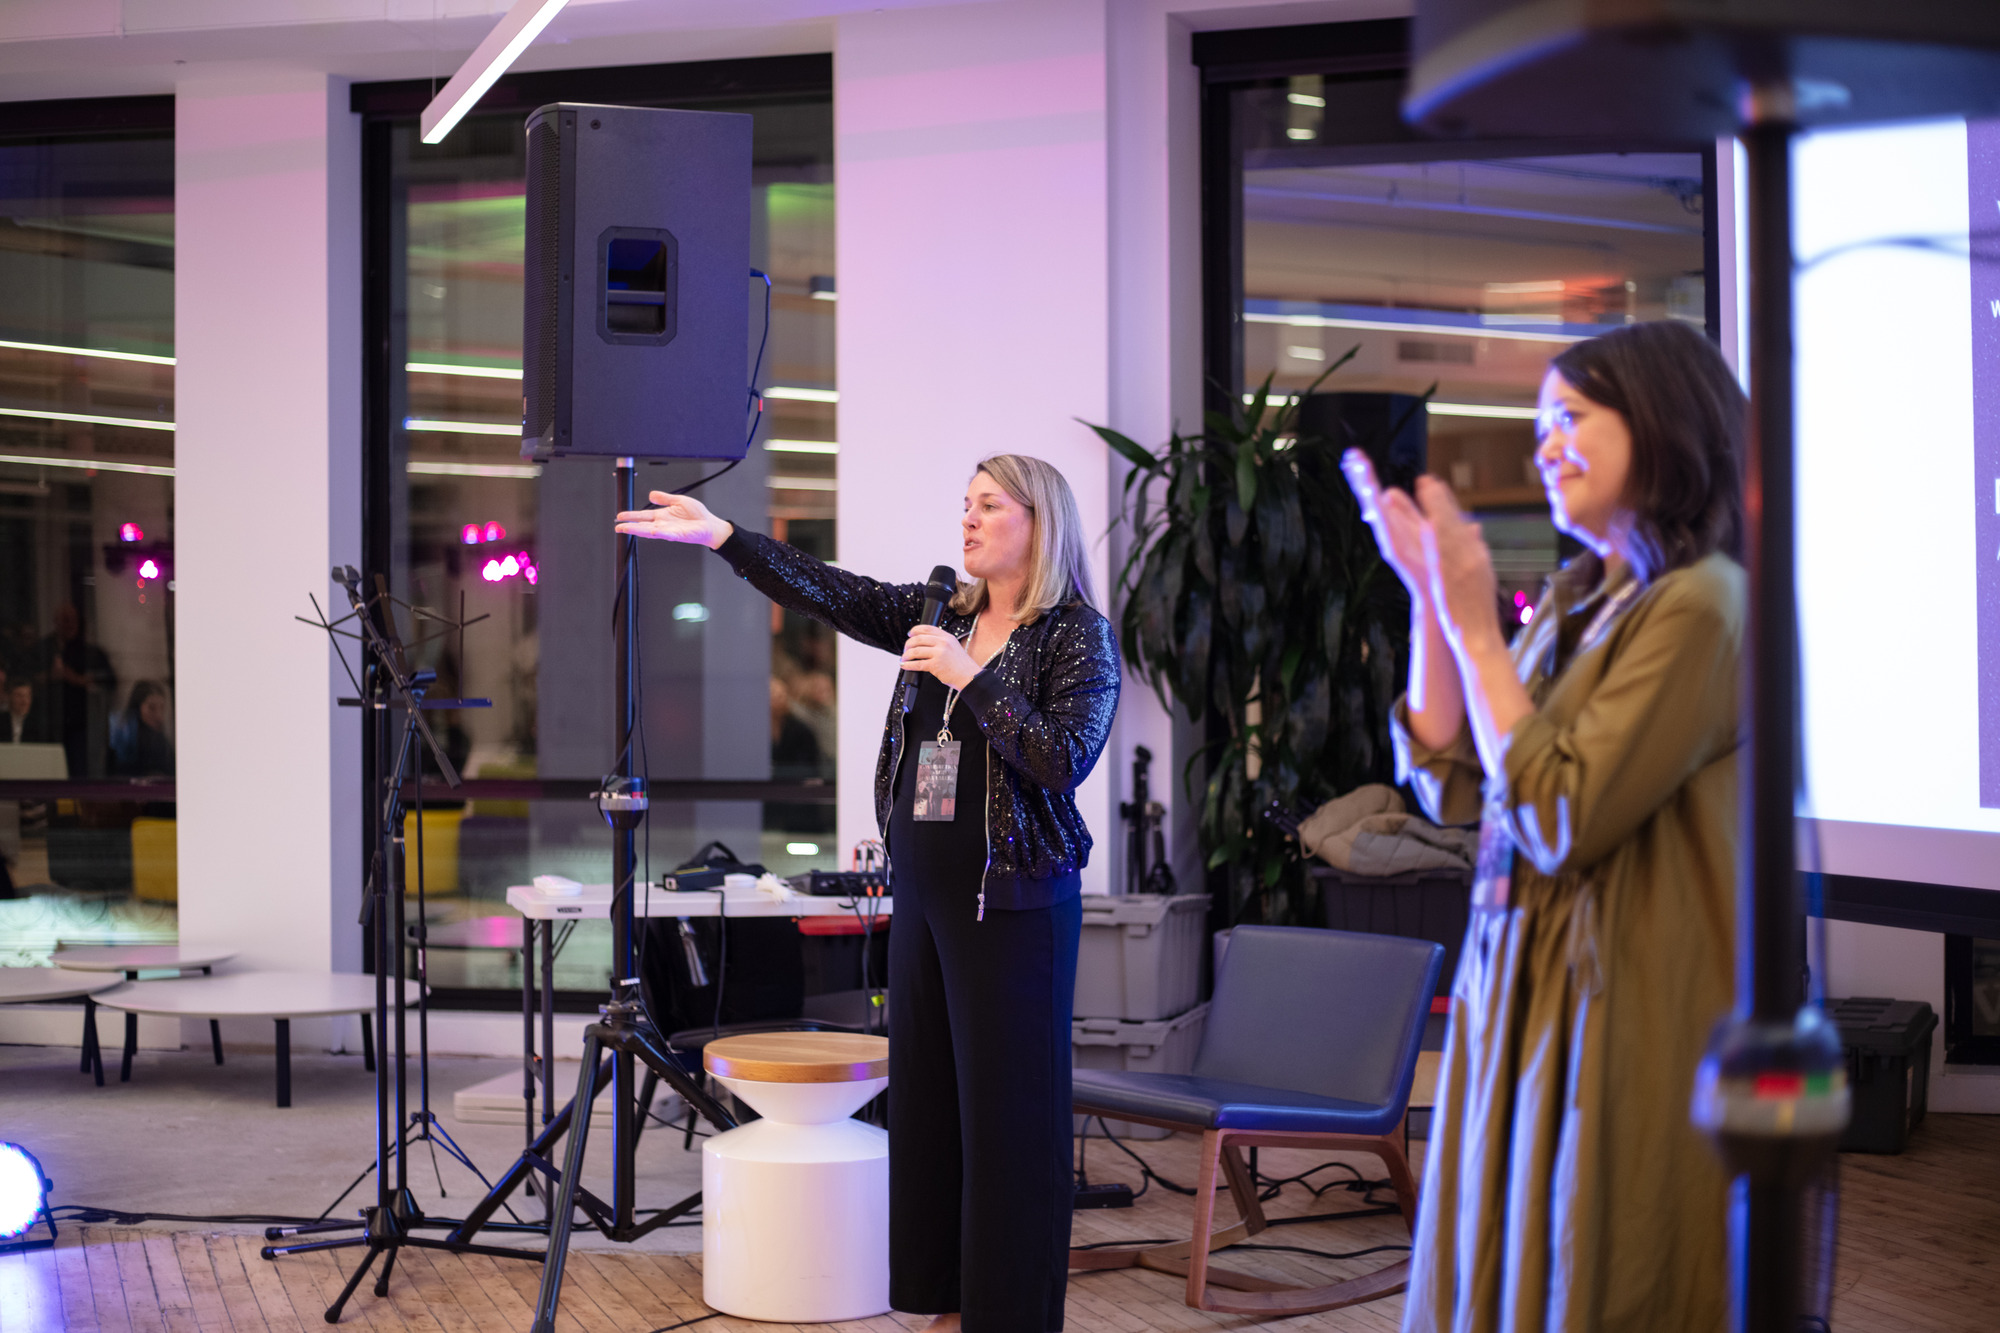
(795, 1206)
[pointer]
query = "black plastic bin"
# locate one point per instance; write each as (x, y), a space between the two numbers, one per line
(1888, 1044)
(1422, 904)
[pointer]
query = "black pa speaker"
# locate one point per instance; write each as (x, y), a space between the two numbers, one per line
(1674, 68)
(635, 337)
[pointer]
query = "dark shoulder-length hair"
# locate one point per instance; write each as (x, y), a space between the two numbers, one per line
(1687, 417)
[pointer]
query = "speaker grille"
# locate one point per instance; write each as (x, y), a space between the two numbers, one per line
(543, 277)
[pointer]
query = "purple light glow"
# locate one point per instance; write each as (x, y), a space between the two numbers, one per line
(469, 534)
(130, 532)
(494, 532)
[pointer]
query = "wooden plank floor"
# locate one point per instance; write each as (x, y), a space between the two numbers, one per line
(1919, 1238)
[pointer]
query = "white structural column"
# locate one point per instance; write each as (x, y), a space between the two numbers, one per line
(267, 292)
(970, 152)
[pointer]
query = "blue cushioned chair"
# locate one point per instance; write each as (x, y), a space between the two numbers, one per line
(1312, 1042)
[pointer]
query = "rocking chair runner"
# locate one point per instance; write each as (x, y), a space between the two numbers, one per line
(1312, 1042)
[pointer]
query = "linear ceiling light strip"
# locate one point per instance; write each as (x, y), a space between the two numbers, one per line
(88, 464)
(84, 419)
(146, 357)
(488, 61)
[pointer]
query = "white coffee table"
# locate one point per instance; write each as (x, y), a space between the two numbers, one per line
(24, 985)
(132, 959)
(278, 996)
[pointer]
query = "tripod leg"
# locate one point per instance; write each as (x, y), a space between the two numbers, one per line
(284, 1061)
(564, 1209)
(367, 1044)
(360, 1271)
(388, 1266)
(647, 1091)
(215, 1037)
(131, 1046)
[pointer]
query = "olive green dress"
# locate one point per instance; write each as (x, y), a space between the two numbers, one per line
(1564, 1187)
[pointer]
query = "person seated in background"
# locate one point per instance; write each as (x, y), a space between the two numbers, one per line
(140, 747)
(25, 724)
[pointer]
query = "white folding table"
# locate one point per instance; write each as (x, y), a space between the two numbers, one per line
(548, 911)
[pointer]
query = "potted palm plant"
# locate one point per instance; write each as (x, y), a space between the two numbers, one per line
(1254, 597)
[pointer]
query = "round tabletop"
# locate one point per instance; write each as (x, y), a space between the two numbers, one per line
(250, 995)
(139, 957)
(798, 1057)
(20, 984)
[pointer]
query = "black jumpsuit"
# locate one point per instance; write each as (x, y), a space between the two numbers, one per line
(979, 1064)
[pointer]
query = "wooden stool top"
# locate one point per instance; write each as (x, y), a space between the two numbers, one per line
(798, 1057)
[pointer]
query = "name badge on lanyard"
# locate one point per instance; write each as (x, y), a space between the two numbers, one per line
(937, 781)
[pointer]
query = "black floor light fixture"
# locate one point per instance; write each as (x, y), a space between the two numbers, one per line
(1771, 1093)
(24, 1202)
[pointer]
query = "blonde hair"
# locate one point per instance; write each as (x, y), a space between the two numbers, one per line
(1058, 569)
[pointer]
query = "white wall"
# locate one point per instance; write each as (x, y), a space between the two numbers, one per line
(268, 390)
(971, 213)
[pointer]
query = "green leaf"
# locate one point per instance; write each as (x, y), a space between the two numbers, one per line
(1133, 452)
(1246, 474)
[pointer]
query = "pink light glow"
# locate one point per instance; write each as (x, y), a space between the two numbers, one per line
(1527, 614)
(130, 532)
(534, 574)
(510, 567)
(491, 572)
(148, 569)
(494, 532)
(1520, 599)
(469, 534)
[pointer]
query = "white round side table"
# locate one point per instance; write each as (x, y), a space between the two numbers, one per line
(24, 985)
(795, 1206)
(132, 959)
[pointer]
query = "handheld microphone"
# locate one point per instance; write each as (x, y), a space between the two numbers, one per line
(937, 593)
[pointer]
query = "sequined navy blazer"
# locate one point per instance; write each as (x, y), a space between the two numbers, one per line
(1045, 704)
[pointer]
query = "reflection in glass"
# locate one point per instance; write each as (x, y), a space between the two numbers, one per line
(730, 687)
(86, 536)
(1466, 275)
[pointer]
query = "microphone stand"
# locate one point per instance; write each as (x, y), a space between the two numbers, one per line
(390, 1224)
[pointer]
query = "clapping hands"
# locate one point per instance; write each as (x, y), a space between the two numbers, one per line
(1438, 553)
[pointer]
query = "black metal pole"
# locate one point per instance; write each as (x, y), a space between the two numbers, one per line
(624, 851)
(1770, 914)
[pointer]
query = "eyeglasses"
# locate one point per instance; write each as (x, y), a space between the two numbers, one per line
(1552, 419)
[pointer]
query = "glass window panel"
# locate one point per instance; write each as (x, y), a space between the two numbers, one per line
(86, 537)
(1461, 276)
(731, 687)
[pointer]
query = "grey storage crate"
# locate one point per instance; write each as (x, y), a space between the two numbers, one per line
(1140, 956)
(1164, 1046)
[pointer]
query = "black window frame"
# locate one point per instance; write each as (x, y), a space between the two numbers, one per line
(708, 84)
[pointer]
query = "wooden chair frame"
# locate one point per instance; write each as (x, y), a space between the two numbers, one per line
(1228, 1292)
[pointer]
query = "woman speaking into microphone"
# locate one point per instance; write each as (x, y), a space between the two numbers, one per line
(1015, 696)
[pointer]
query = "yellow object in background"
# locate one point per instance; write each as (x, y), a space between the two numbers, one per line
(155, 860)
(440, 853)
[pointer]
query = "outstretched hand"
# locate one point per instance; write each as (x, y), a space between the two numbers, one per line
(678, 518)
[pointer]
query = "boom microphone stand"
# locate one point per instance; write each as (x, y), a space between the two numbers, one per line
(390, 1224)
